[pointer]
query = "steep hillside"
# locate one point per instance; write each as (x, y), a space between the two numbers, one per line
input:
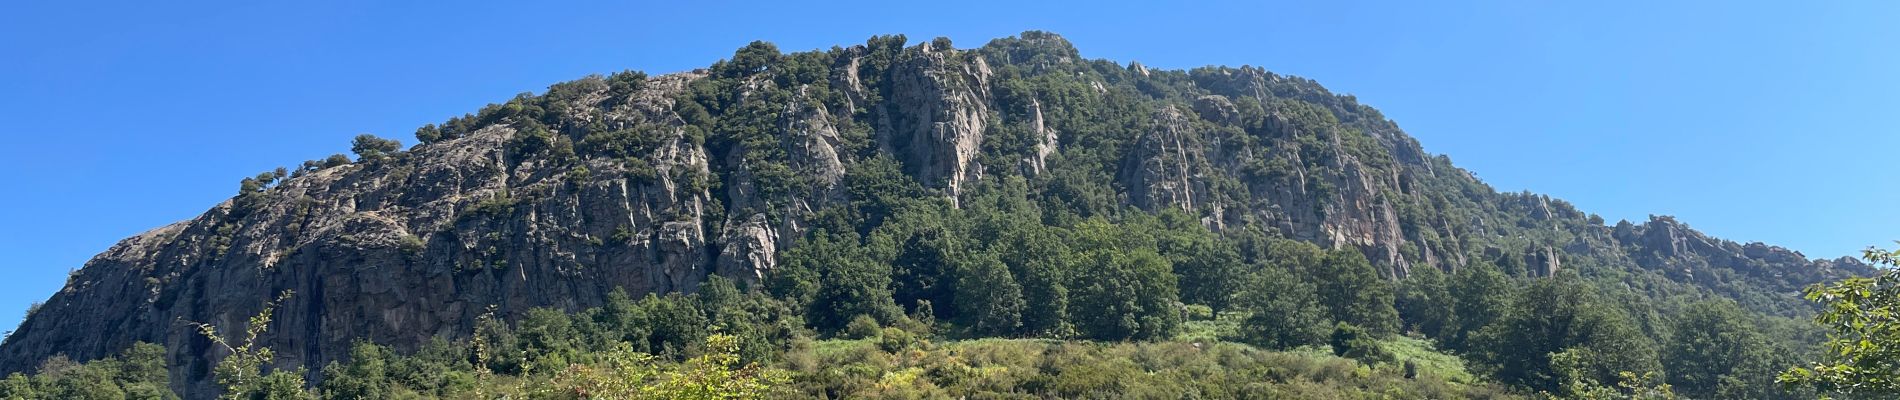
(653, 184)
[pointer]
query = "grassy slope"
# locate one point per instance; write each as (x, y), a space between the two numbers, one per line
(1194, 365)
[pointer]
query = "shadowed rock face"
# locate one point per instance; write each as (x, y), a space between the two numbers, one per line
(415, 246)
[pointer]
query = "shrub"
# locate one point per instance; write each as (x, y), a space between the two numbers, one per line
(1350, 341)
(862, 327)
(893, 340)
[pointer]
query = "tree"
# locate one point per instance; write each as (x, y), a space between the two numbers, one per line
(923, 249)
(1715, 351)
(1424, 301)
(1348, 287)
(370, 147)
(19, 386)
(1863, 345)
(626, 82)
(1479, 294)
(136, 373)
(428, 134)
(1038, 260)
(717, 375)
(495, 347)
(366, 376)
(1283, 312)
(335, 160)
(626, 319)
(143, 372)
(989, 302)
(1561, 317)
(1210, 268)
(243, 373)
(673, 322)
(1129, 293)
(851, 289)
(88, 381)
(765, 326)
(861, 327)
(1352, 291)
(831, 278)
(548, 337)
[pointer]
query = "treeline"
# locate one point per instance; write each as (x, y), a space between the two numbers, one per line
(998, 266)
(140, 372)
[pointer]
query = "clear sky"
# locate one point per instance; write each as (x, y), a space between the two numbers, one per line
(1751, 121)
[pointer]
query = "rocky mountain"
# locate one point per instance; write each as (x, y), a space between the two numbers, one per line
(652, 184)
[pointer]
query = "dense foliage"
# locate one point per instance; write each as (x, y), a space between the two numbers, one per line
(138, 373)
(1863, 346)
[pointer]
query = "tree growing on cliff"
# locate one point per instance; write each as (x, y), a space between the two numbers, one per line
(370, 147)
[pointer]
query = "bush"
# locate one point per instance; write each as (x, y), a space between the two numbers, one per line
(893, 340)
(336, 160)
(1350, 341)
(862, 327)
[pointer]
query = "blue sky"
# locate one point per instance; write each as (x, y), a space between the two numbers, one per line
(1750, 121)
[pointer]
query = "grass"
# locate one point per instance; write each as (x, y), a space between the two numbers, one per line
(831, 347)
(1189, 365)
(1430, 361)
(1226, 325)
(1421, 352)
(1205, 333)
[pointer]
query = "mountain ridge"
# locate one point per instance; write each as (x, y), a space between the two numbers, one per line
(653, 184)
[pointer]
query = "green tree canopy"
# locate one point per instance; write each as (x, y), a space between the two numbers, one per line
(1352, 291)
(1480, 293)
(989, 301)
(1716, 351)
(1128, 289)
(1862, 316)
(1562, 316)
(1282, 311)
(1424, 301)
(370, 147)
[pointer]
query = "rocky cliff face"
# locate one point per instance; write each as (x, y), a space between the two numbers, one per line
(401, 249)
(652, 185)
(935, 115)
